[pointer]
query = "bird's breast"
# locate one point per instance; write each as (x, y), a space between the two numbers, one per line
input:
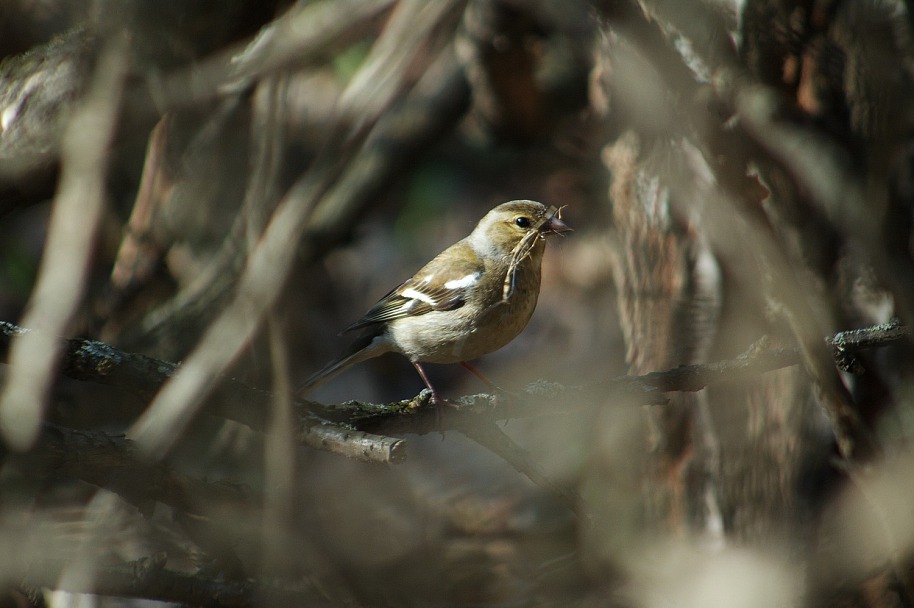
(479, 327)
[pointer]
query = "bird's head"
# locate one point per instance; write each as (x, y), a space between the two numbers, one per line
(507, 225)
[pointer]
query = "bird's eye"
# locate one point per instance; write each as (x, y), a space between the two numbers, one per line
(522, 222)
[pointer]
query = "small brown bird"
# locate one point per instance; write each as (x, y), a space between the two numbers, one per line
(470, 300)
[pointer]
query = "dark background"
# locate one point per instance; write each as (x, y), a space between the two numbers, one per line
(732, 172)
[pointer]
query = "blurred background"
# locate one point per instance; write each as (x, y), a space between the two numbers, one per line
(230, 184)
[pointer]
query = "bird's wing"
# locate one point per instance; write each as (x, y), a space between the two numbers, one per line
(442, 284)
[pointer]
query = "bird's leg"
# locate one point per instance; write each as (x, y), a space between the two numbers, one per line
(482, 377)
(436, 399)
(500, 393)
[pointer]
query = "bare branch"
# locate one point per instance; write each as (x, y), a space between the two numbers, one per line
(113, 462)
(331, 426)
(303, 35)
(143, 376)
(149, 579)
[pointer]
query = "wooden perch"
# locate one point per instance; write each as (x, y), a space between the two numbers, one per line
(349, 428)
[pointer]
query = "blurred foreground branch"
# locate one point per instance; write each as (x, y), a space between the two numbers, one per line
(147, 578)
(65, 266)
(271, 260)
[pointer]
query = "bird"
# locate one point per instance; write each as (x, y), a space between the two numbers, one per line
(472, 299)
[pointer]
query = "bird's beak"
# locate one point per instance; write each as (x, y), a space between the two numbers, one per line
(554, 225)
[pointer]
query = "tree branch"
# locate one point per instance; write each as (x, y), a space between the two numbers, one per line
(845, 344)
(113, 462)
(147, 578)
(354, 428)
(94, 361)
(325, 424)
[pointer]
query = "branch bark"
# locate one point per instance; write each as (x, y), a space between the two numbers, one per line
(352, 428)
(94, 361)
(113, 462)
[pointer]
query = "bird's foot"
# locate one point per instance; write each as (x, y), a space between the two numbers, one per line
(433, 399)
(440, 404)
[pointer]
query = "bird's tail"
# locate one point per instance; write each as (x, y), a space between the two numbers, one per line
(368, 345)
